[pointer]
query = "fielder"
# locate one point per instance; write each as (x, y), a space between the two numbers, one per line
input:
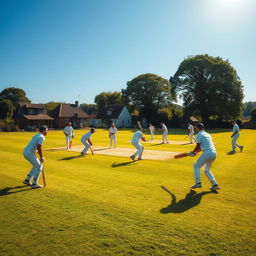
(165, 133)
(191, 132)
(235, 136)
(69, 133)
(86, 140)
(35, 145)
(205, 144)
(136, 143)
(112, 134)
(152, 131)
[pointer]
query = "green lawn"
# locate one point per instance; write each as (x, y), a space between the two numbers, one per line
(105, 205)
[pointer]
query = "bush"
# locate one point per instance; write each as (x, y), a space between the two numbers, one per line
(7, 125)
(250, 125)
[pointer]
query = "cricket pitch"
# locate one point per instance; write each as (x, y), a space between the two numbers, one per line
(122, 152)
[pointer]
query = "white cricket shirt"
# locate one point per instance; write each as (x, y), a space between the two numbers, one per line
(38, 139)
(137, 136)
(205, 140)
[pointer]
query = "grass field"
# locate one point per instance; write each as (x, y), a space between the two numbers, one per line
(106, 205)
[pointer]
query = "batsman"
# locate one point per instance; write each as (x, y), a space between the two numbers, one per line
(35, 145)
(203, 143)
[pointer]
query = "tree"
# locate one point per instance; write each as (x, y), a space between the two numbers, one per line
(50, 106)
(15, 95)
(107, 98)
(209, 87)
(6, 109)
(88, 108)
(148, 92)
(253, 115)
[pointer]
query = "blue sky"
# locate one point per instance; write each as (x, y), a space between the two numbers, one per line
(67, 50)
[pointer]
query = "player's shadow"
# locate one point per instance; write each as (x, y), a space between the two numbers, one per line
(231, 152)
(191, 200)
(157, 144)
(100, 149)
(12, 190)
(69, 158)
(187, 143)
(55, 149)
(121, 164)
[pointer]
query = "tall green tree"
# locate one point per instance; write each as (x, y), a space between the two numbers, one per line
(88, 108)
(6, 109)
(15, 95)
(253, 115)
(107, 98)
(209, 86)
(148, 92)
(10, 98)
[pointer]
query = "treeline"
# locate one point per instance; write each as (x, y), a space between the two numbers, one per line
(209, 87)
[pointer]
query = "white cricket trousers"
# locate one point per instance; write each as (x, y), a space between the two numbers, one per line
(234, 144)
(36, 169)
(112, 138)
(164, 138)
(152, 135)
(68, 140)
(205, 161)
(86, 146)
(140, 149)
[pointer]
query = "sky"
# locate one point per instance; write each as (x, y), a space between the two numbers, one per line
(68, 50)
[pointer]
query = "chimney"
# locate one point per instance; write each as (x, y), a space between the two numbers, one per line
(77, 103)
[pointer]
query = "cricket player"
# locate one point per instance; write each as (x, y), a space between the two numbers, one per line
(165, 133)
(69, 133)
(191, 133)
(112, 134)
(205, 144)
(235, 136)
(35, 145)
(136, 143)
(86, 140)
(152, 131)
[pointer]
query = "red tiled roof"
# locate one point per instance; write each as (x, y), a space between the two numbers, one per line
(67, 110)
(92, 116)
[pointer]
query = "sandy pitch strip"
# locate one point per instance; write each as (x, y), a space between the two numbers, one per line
(176, 142)
(122, 152)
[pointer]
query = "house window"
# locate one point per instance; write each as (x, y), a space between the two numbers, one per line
(109, 112)
(31, 111)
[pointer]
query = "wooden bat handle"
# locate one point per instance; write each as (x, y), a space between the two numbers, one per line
(43, 176)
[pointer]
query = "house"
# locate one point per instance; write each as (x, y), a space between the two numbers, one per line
(94, 121)
(30, 116)
(116, 113)
(65, 113)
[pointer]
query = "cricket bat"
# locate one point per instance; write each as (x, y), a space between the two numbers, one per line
(139, 125)
(193, 119)
(91, 150)
(43, 176)
(181, 155)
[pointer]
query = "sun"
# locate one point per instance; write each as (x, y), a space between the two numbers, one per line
(227, 14)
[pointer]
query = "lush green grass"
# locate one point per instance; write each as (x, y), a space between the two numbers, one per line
(104, 205)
